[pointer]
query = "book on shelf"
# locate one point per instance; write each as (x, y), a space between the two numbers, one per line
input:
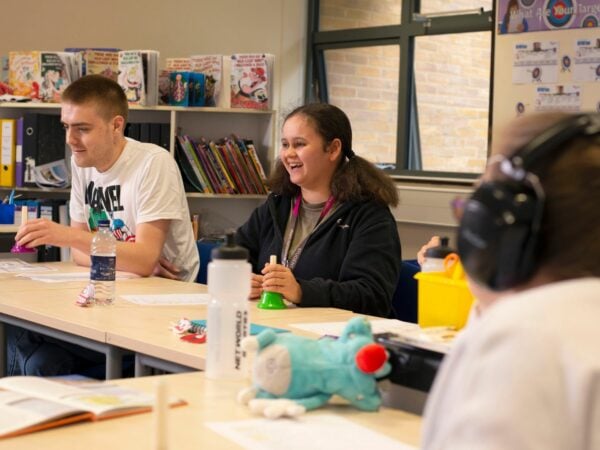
(97, 60)
(29, 404)
(196, 89)
(138, 76)
(240, 166)
(8, 144)
(257, 164)
(4, 69)
(24, 73)
(251, 80)
(188, 165)
(164, 86)
(216, 157)
(223, 184)
(41, 75)
(179, 89)
(100, 62)
(178, 65)
(257, 180)
(212, 68)
(57, 70)
(232, 167)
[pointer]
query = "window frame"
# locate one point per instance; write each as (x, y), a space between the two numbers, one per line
(412, 25)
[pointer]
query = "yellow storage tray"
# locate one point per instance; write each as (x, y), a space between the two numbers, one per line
(443, 301)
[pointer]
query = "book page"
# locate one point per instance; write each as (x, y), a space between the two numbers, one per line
(18, 412)
(96, 397)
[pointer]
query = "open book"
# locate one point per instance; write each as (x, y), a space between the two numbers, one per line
(30, 404)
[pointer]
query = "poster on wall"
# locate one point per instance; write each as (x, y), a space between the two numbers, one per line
(587, 60)
(566, 98)
(535, 62)
(522, 16)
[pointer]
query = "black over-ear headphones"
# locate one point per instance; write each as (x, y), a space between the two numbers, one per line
(499, 229)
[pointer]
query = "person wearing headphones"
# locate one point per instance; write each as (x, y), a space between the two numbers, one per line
(525, 374)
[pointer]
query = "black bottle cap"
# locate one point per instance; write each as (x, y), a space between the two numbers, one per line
(441, 251)
(229, 250)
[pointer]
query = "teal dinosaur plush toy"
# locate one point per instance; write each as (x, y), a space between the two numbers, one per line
(293, 374)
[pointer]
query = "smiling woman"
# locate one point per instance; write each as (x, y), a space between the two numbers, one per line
(327, 218)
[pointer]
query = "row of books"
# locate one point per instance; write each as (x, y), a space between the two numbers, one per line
(44, 75)
(197, 80)
(250, 77)
(228, 166)
(33, 152)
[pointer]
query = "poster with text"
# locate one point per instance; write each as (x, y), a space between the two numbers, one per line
(522, 16)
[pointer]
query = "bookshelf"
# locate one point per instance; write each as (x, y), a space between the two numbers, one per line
(218, 212)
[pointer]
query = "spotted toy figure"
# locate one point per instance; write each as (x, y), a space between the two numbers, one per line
(293, 374)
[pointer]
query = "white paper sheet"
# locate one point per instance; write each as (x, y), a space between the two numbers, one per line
(437, 339)
(168, 299)
(309, 431)
(12, 265)
(62, 277)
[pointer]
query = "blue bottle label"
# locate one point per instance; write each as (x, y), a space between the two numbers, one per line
(103, 268)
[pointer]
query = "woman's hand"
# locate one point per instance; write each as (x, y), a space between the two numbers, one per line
(433, 242)
(256, 287)
(278, 278)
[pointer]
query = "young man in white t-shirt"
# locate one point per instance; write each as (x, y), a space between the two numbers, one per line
(137, 186)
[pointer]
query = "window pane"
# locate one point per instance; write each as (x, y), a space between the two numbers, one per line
(452, 74)
(363, 82)
(347, 14)
(435, 6)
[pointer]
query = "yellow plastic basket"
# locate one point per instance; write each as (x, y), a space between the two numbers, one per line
(443, 301)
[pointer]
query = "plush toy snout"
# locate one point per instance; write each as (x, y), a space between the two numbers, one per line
(371, 358)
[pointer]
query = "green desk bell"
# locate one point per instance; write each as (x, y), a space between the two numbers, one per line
(271, 300)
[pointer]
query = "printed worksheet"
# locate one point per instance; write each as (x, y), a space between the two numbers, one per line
(308, 431)
(535, 62)
(586, 65)
(566, 98)
(168, 299)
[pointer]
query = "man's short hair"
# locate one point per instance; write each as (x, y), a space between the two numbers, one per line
(105, 93)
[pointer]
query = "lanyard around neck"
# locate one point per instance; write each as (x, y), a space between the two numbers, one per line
(285, 257)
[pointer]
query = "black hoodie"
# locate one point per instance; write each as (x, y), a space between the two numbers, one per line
(351, 261)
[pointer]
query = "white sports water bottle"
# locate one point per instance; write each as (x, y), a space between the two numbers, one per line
(229, 283)
(104, 258)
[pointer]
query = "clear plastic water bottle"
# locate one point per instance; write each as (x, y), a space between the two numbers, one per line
(103, 268)
(229, 284)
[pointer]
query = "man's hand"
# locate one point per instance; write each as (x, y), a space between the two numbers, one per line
(167, 269)
(43, 232)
